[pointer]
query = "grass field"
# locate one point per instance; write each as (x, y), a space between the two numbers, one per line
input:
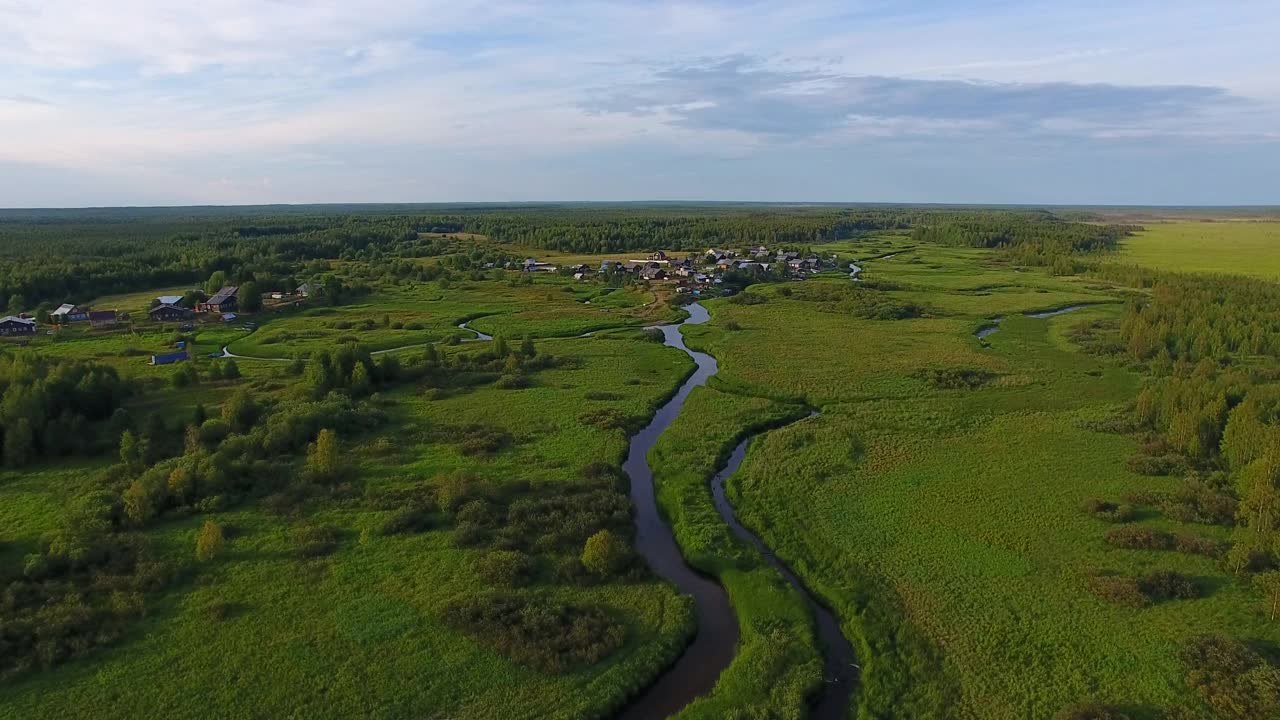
(358, 632)
(946, 525)
(1234, 247)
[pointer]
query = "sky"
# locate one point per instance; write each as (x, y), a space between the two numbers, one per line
(150, 102)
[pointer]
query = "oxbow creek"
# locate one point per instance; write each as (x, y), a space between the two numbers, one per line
(695, 673)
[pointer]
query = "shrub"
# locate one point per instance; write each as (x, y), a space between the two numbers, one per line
(1234, 680)
(609, 419)
(1144, 590)
(605, 554)
(405, 520)
(956, 378)
(731, 325)
(314, 541)
(504, 568)
(1111, 512)
(1139, 538)
(540, 633)
(467, 535)
(209, 541)
(1118, 590)
(1157, 465)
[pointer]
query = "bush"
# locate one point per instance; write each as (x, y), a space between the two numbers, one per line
(731, 325)
(504, 568)
(467, 535)
(537, 632)
(1157, 465)
(956, 378)
(1139, 538)
(313, 541)
(405, 520)
(1111, 512)
(1234, 680)
(209, 541)
(610, 419)
(606, 554)
(1144, 590)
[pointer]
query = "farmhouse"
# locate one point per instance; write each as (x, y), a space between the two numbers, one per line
(67, 313)
(222, 302)
(653, 272)
(303, 290)
(169, 358)
(10, 326)
(102, 318)
(169, 299)
(169, 313)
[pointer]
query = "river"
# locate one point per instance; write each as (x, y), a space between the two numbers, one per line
(695, 673)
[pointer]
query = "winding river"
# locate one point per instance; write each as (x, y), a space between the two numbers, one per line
(695, 673)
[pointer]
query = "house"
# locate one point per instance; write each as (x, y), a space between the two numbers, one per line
(169, 299)
(102, 318)
(653, 273)
(168, 358)
(303, 290)
(222, 301)
(11, 326)
(169, 313)
(632, 266)
(759, 251)
(67, 313)
(607, 266)
(659, 255)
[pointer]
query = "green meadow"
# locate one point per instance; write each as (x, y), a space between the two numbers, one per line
(377, 515)
(1236, 247)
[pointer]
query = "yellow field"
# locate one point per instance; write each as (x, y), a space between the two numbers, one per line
(1237, 247)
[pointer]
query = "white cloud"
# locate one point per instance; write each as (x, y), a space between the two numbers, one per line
(169, 96)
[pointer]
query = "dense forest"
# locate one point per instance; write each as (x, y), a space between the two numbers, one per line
(51, 257)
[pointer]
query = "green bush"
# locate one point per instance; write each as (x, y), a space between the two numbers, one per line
(538, 632)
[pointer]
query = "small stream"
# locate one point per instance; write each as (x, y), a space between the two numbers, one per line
(713, 648)
(993, 326)
(839, 664)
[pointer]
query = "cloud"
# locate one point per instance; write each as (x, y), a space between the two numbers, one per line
(20, 99)
(750, 95)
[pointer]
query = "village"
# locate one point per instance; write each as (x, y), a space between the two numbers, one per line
(186, 310)
(713, 272)
(697, 274)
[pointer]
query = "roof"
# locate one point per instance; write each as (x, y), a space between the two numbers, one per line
(65, 309)
(12, 318)
(167, 306)
(169, 299)
(102, 315)
(223, 295)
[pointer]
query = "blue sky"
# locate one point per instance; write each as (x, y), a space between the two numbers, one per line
(144, 102)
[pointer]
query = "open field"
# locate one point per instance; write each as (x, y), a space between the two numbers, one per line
(381, 514)
(1235, 247)
(961, 509)
(357, 632)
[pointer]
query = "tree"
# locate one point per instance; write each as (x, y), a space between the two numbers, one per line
(210, 541)
(500, 347)
(526, 347)
(1269, 583)
(230, 371)
(324, 464)
(19, 443)
(191, 298)
(215, 371)
(182, 483)
(360, 381)
(605, 553)
(217, 281)
(240, 412)
(139, 502)
(199, 415)
(133, 450)
(250, 297)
